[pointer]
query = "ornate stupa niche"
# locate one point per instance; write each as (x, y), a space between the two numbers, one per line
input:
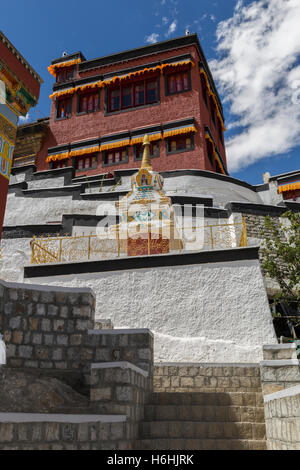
(147, 218)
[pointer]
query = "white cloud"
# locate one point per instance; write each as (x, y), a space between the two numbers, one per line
(257, 71)
(152, 38)
(24, 119)
(172, 28)
(164, 20)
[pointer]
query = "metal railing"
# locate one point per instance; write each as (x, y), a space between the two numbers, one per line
(87, 247)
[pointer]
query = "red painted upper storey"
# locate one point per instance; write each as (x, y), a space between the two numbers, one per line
(169, 108)
(19, 66)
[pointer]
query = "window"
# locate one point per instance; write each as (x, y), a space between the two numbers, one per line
(220, 131)
(133, 95)
(59, 164)
(204, 89)
(86, 162)
(212, 110)
(178, 82)
(64, 108)
(180, 143)
(65, 74)
(154, 150)
(210, 153)
(114, 156)
(88, 102)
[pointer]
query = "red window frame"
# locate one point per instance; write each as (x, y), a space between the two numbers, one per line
(88, 102)
(86, 162)
(132, 98)
(178, 82)
(65, 74)
(115, 156)
(63, 108)
(179, 143)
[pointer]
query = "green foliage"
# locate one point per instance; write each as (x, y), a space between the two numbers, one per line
(281, 255)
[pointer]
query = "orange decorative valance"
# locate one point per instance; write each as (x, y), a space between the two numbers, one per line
(216, 156)
(139, 138)
(179, 130)
(288, 187)
(84, 151)
(57, 156)
(214, 98)
(52, 68)
(119, 78)
(113, 144)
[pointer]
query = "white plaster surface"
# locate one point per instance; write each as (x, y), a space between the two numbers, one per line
(202, 313)
(16, 253)
(27, 210)
(46, 183)
(2, 351)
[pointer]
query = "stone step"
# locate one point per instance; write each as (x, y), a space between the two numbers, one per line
(209, 398)
(230, 413)
(200, 444)
(202, 430)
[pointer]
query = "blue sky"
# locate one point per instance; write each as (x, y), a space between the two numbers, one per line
(252, 46)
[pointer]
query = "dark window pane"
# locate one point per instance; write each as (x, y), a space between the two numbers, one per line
(115, 99)
(126, 97)
(139, 94)
(172, 84)
(151, 92)
(185, 81)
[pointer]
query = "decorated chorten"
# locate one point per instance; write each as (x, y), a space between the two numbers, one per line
(147, 218)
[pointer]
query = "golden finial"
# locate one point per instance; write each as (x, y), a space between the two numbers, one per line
(146, 161)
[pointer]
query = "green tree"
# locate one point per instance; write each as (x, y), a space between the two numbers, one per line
(281, 255)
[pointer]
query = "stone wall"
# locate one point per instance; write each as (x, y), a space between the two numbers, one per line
(25, 431)
(280, 368)
(52, 329)
(206, 378)
(282, 413)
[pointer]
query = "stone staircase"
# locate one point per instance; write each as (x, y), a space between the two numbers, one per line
(203, 421)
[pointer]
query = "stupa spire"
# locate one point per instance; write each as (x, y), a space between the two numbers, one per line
(146, 161)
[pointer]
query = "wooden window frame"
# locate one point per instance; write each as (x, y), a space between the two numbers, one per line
(169, 74)
(70, 99)
(85, 157)
(54, 163)
(132, 85)
(65, 70)
(120, 149)
(82, 95)
(181, 136)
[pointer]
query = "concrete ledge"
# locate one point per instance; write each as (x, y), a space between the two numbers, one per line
(287, 392)
(45, 288)
(122, 365)
(206, 364)
(276, 347)
(59, 418)
(140, 262)
(280, 363)
(121, 331)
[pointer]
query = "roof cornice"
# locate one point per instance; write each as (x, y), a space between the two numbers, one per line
(19, 56)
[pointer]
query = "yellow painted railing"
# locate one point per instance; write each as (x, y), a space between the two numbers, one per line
(86, 247)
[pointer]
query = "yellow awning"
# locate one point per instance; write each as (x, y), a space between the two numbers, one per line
(216, 156)
(139, 138)
(289, 187)
(113, 144)
(214, 98)
(57, 156)
(179, 130)
(52, 68)
(84, 151)
(118, 78)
